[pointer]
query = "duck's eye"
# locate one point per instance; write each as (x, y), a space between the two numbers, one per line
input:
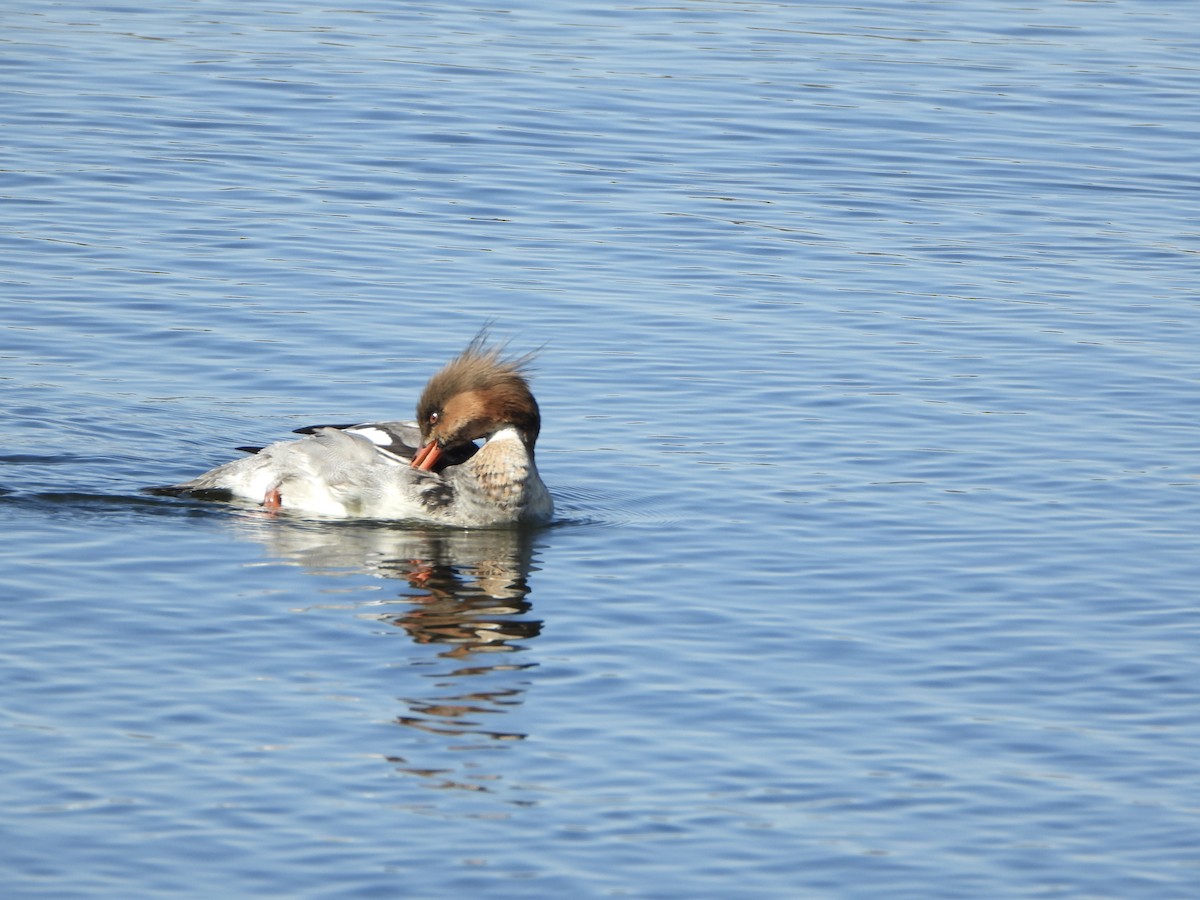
(433, 418)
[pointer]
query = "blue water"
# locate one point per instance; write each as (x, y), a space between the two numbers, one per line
(869, 383)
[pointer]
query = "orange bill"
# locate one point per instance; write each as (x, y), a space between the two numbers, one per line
(427, 457)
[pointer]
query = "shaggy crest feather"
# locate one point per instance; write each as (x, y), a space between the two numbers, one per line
(481, 369)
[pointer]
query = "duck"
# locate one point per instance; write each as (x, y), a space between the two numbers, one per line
(466, 461)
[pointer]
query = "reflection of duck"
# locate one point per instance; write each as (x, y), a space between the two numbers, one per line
(467, 589)
(466, 595)
(473, 599)
(430, 469)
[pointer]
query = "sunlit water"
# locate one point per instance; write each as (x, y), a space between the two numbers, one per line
(869, 386)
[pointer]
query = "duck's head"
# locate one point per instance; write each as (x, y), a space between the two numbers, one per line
(476, 395)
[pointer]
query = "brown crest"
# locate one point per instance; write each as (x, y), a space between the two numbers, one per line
(478, 392)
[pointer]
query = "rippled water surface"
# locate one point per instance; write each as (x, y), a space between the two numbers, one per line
(869, 385)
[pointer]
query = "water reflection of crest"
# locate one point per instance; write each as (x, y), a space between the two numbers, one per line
(467, 591)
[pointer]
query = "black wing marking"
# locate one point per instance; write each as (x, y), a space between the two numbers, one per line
(313, 429)
(398, 439)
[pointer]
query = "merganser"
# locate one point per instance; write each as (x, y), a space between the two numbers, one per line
(430, 469)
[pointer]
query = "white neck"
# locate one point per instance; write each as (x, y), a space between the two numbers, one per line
(505, 434)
